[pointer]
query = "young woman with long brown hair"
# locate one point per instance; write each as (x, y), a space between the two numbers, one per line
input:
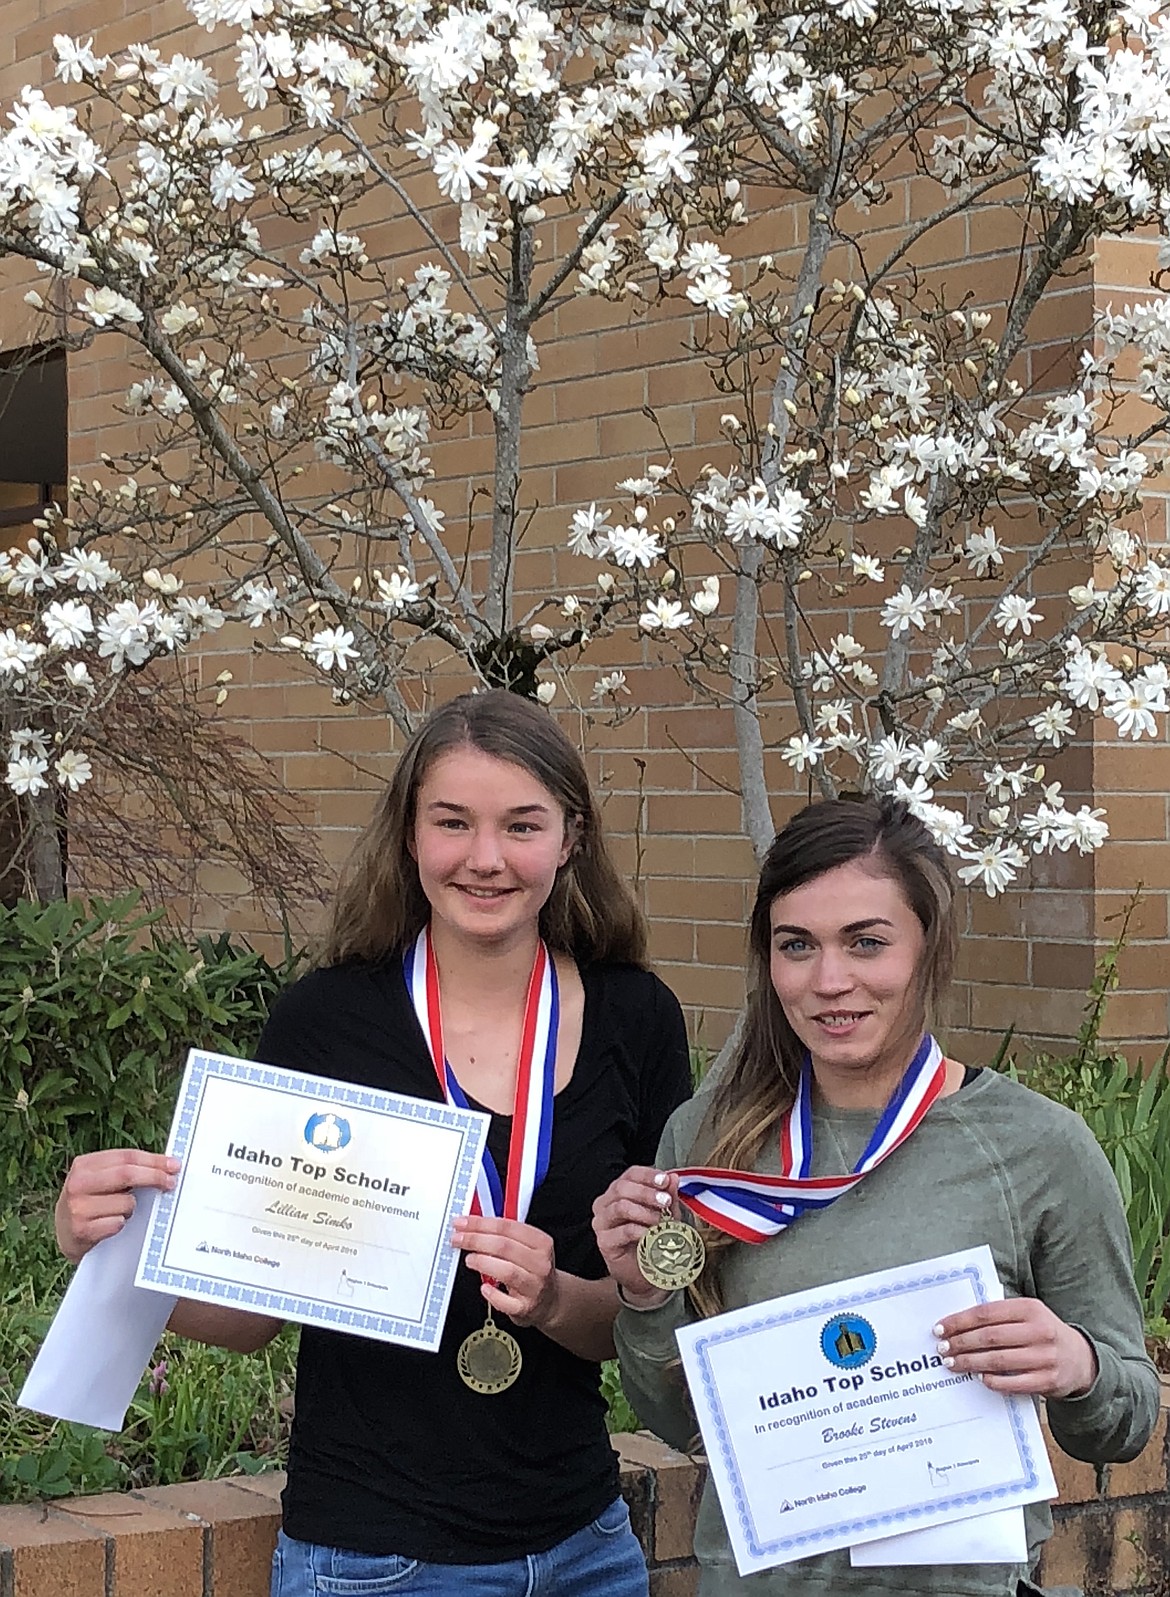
(485, 869)
(852, 944)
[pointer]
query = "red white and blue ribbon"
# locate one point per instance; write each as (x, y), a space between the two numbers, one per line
(753, 1207)
(532, 1112)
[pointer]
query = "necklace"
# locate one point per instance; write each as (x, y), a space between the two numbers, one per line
(489, 1359)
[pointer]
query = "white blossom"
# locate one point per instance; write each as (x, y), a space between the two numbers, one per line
(86, 570)
(1153, 589)
(124, 634)
(1053, 724)
(887, 758)
(929, 759)
(867, 566)
(1087, 830)
(26, 774)
(31, 571)
(666, 615)
(1135, 707)
(73, 770)
(200, 614)
(983, 551)
(17, 654)
(76, 60)
(1087, 677)
(398, 591)
(904, 610)
(668, 153)
(68, 623)
(332, 648)
(947, 827)
(634, 546)
(178, 318)
(104, 306)
(258, 601)
(802, 751)
(777, 519)
(1014, 610)
(589, 529)
(993, 867)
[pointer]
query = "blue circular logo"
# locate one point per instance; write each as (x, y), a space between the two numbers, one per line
(848, 1341)
(327, 1133)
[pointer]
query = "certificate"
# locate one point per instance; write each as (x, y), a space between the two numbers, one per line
(830, 1420)
(313, 1200)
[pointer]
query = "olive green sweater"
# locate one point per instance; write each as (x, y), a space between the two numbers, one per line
(993, 1163)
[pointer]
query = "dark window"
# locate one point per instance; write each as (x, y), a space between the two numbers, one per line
(34, 447)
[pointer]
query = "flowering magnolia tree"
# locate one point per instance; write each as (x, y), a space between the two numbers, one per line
(866, 550)
(78, 635)
(898, 471)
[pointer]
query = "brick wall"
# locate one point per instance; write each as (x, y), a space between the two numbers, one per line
(667, 773)
(215, 1538)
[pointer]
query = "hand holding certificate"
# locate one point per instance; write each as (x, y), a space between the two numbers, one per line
(802, 1459)
(298, 1197)
(313, 1200)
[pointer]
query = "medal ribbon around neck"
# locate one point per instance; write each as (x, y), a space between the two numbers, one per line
(753, 1207)
(532, 1112)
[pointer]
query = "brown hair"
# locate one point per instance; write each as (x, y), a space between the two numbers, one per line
(380, 907)
(759, 1087)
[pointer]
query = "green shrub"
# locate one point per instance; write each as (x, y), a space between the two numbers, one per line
(98, 1006)
(619, 1415)
(1128, 1111)
(199, 1413)
(97, 1009)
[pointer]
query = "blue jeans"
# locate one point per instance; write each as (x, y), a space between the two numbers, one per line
(603, 1560)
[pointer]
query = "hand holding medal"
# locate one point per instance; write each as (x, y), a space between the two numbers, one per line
(630, 1223)
(671, 1255)
(642, 1243)
(489, 1359)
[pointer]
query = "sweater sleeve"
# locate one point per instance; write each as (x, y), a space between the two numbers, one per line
(1083, 1270)
(652, 1374)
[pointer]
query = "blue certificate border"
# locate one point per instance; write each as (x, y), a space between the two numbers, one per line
(894, 1521)
(201, 1067)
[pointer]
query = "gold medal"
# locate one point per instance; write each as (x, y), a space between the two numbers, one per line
(671, 1255)
(489, 1359)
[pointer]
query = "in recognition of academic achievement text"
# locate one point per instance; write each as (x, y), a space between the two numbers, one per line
(313, 1200)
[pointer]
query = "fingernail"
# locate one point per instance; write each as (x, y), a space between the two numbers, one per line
(662, 1199)
(660, 1178)
(171, 1183)
(949, 1364)
(936, 1330)
(944, 1347)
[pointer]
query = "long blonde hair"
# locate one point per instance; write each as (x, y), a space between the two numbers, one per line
(380, 907)
(759, 1087)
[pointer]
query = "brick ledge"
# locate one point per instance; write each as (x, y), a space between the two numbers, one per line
(215, 1538)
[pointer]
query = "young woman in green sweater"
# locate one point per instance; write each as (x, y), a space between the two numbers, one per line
(853, 941)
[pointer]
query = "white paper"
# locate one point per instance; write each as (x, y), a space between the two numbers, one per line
(314, 1200)
(829, 1419)
(998, 1538)
(103, 1333)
